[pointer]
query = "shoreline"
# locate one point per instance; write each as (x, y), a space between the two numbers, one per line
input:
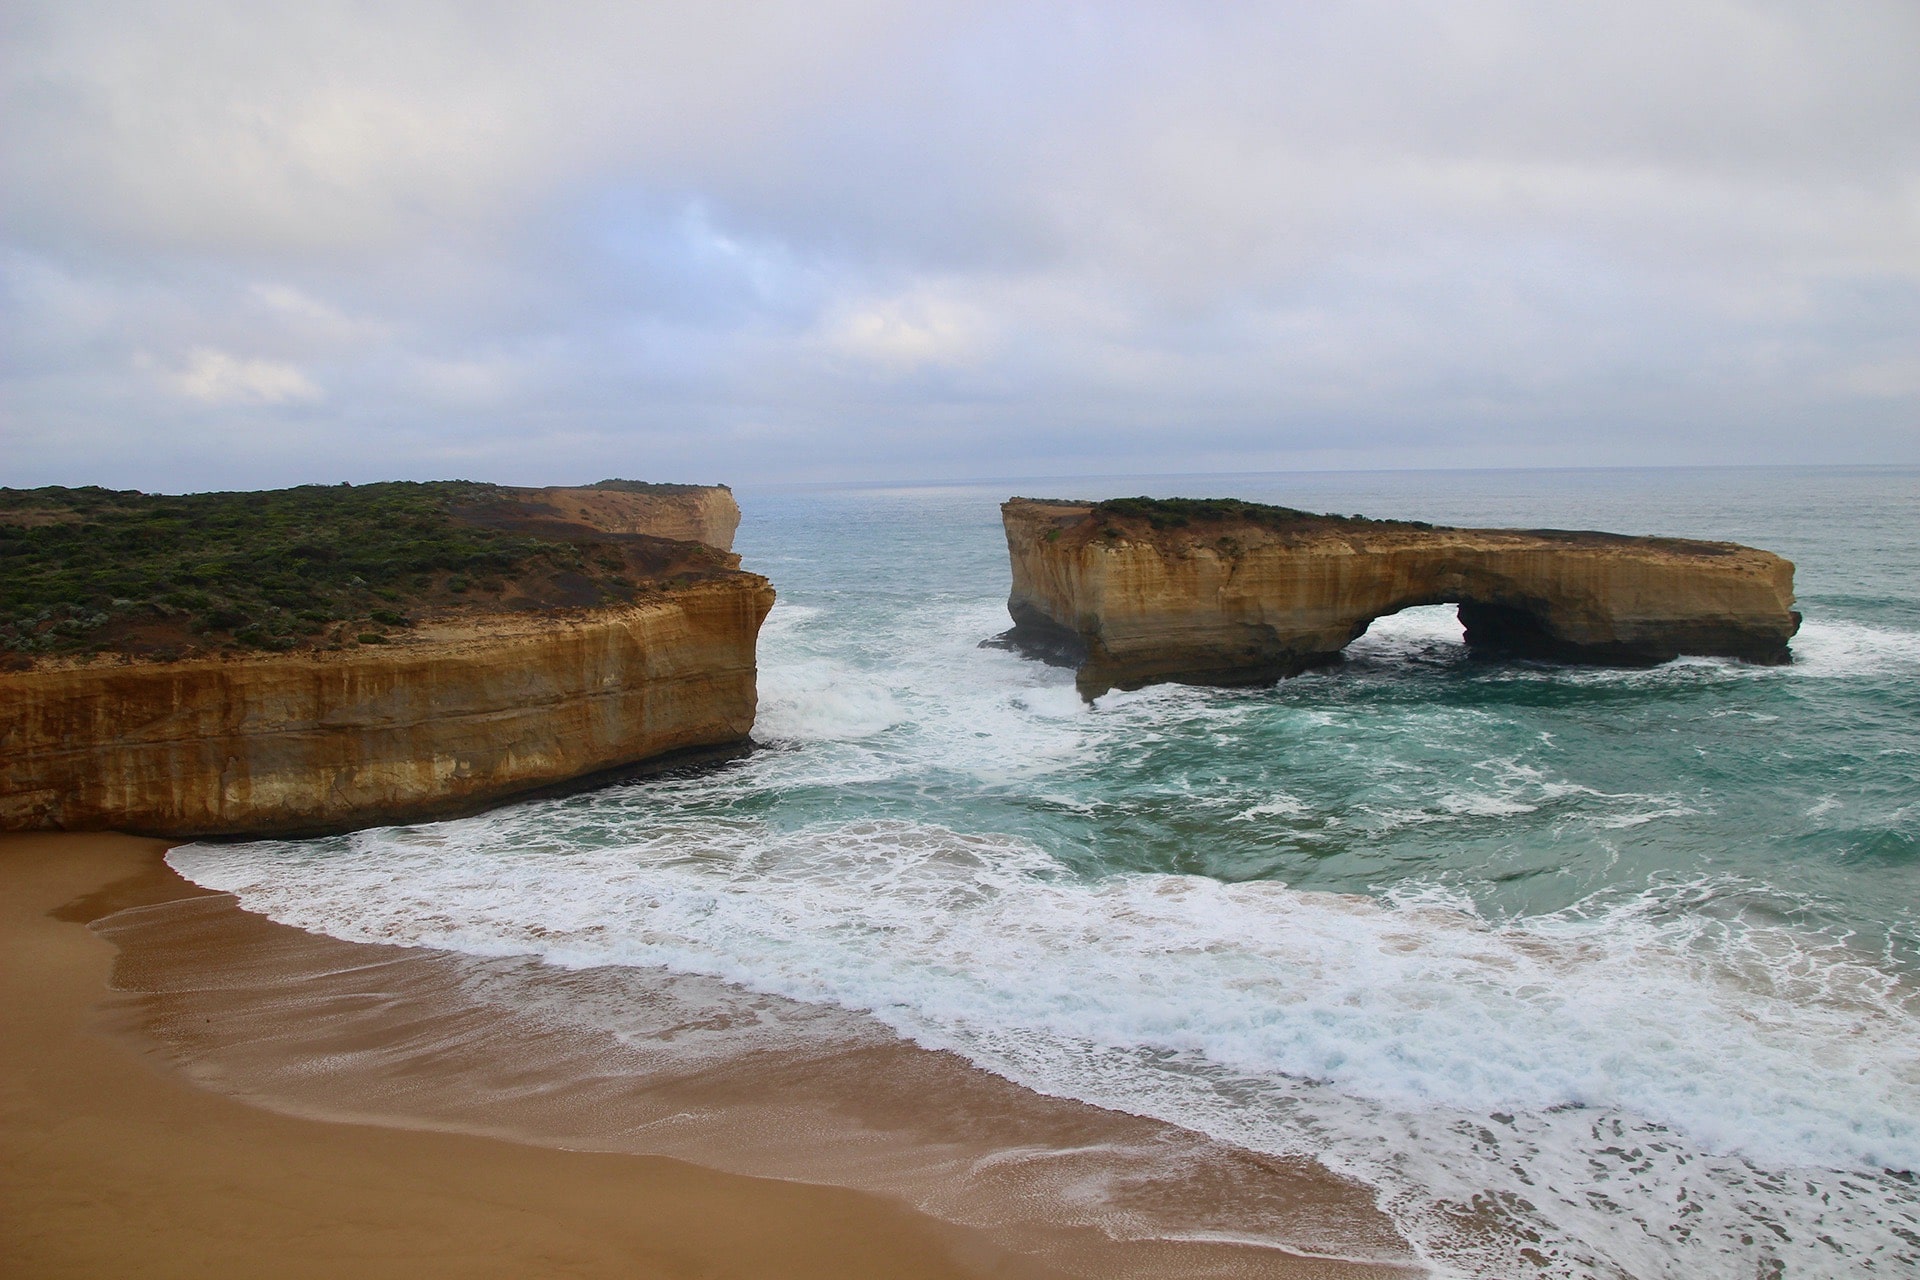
(114, 1167)
(428, 1164)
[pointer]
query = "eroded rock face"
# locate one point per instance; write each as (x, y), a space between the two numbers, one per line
(443, 719)
(686, 513)
(1244, 601)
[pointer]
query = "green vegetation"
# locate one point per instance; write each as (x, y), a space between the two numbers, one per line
(86, 570)
(655, 486)
(1178, 513)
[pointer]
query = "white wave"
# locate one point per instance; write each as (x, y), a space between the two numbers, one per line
(821, 701)
(808, 693)
(1480, 805)
(1420, 629)
(1385, 1036)
(787, 617)
(1507, 788)
(1281, 806)
(1834, 648)
(1823, 649)
(1621, 821)
(985, 712)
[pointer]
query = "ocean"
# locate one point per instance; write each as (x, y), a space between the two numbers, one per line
(1570, 971)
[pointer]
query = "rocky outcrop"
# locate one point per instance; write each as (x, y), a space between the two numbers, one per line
(446, 717)
(1160, 592)
(684, 512)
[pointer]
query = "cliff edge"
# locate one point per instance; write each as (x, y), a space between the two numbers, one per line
(1215, 591)
(704, 513)
(323, 659)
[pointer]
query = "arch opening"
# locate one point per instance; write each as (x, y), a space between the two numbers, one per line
(1498, 629)
(1411, 629)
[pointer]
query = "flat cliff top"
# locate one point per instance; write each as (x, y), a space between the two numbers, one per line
(1181, 525)
(320, 567)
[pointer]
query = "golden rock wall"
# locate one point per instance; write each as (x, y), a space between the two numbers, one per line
(444, 719)
(1241, 603)
(707, 514)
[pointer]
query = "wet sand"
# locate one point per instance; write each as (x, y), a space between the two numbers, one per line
(437, 1115)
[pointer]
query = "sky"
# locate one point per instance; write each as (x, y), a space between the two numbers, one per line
(249, 245)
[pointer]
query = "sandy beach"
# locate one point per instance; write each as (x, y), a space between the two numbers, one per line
(115, 1167)
(118, 1162)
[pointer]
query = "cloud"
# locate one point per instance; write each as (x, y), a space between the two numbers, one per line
(221, 378)
(469, 383)
(326, 128)
(776, 240)
(910, 331)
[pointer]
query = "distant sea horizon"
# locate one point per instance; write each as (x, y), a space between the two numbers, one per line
(1266, 476)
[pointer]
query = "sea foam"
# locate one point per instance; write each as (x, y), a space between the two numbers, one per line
(1286, 1021)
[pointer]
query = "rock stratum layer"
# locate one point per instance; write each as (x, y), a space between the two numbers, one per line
(684, 512)
(1135, 599)
(448, 718)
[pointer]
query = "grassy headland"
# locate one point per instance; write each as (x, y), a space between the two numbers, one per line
(91, 570)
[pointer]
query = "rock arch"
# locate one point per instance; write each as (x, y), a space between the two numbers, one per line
(1232, 593)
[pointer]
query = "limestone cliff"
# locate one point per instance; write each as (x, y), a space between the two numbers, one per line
(684, 512)
(441, 718)
(1258, 593)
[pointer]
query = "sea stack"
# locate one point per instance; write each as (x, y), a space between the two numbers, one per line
(1141, 591)
(488, 642)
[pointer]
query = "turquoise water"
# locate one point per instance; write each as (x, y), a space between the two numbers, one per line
(1521, 785)
(1623, 961)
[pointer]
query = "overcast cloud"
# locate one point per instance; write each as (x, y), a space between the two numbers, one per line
(246, 244)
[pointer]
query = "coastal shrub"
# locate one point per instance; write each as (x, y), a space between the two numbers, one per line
(83, 567)
(258, 637)
(1178, 513)
(652, 486)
